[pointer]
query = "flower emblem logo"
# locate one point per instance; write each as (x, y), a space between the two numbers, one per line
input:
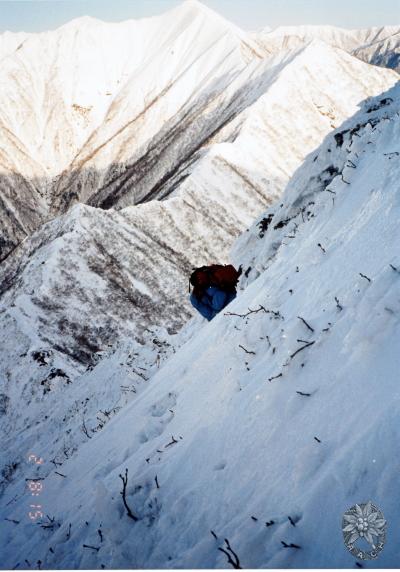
(364, 522)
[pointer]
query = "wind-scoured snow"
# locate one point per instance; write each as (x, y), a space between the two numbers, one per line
(270, 421)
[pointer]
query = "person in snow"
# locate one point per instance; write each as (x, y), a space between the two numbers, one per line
(213, 288)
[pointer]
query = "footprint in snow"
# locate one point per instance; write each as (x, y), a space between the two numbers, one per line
(164, 405)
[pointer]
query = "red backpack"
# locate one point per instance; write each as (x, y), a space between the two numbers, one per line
(223, 276)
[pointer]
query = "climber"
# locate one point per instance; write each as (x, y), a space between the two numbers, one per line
(213, 288)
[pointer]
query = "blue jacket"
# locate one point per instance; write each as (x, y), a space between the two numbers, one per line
(212, 301)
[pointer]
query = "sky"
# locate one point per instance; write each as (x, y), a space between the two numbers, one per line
(42, 15)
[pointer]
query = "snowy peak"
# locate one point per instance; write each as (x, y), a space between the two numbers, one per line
(81, 24)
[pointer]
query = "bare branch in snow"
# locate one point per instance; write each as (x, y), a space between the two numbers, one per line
(170, 443)
(247, 351)
(302, 348)
(123, 493)
(366, 277)
(84, 429)
(261, 308)
(291, 545)
(304, 322)
(97, 548)
(235, 563)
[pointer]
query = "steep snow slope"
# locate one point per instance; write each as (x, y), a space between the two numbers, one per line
(285, 405)
(91, 277)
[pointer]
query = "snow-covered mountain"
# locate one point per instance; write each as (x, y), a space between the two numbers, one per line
(144, 149)
(270, 421)
(92, 277)
(82, 101)
(378, 46)
(116, 114)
